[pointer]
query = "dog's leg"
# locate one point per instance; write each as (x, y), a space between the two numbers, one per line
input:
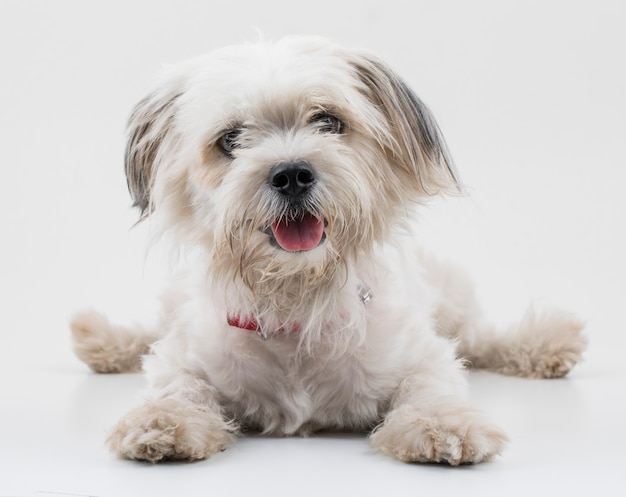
(544, 344)
(180, 421)
(108, 348)
(431, 421)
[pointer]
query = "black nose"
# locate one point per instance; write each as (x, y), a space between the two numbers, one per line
(292, 179)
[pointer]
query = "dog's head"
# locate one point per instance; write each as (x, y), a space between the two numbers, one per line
(283, 159)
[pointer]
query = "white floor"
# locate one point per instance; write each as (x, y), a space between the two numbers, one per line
(531, 96)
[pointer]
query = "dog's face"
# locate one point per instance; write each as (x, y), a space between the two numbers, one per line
(283, 159)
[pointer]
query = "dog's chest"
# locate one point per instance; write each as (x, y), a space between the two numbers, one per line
(281, 392)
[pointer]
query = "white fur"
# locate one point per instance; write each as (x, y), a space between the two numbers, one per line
(394, 365)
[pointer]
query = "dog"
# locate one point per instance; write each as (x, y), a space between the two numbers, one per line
(290, 172)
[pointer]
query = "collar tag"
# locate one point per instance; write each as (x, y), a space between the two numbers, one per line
(365, 294)
(262, 331)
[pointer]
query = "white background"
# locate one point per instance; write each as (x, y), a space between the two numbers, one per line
(531, 98)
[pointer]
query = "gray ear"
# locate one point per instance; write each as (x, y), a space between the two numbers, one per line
(417, 144)
(149, 127)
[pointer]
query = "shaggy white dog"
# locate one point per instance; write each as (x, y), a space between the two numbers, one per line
(290, 171)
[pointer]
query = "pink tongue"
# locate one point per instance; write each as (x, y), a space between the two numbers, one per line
(299, 234)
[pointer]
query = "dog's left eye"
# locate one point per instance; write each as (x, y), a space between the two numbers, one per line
(327, 123)
(228, 142)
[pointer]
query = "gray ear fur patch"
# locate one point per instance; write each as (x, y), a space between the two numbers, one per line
(148, 126)
(415, 130)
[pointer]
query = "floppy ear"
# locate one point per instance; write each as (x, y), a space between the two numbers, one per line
(416, 142)
(149, 128)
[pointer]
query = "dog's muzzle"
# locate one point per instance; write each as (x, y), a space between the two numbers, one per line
(298, 229)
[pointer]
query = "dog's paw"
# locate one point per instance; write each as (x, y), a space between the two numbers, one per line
(549, 344)
(545, 344)
(455, 435)
(93, 337)
(170, 430)
(106, 348)
(562, 346)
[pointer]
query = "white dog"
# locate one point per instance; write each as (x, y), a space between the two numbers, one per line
(290, 171)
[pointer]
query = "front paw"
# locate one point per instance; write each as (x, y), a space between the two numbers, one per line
(169, 429)
(452, 435)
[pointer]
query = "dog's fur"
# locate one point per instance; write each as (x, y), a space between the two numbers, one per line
(363, 331)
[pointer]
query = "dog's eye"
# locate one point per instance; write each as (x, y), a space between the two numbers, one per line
(228, 142)
(327, 123)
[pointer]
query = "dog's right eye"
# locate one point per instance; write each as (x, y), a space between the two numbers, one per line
(228, 142)
(327, 123)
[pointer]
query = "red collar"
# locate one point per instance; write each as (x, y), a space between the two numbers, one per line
(251, 324)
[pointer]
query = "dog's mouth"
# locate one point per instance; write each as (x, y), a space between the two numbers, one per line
(302, 233)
